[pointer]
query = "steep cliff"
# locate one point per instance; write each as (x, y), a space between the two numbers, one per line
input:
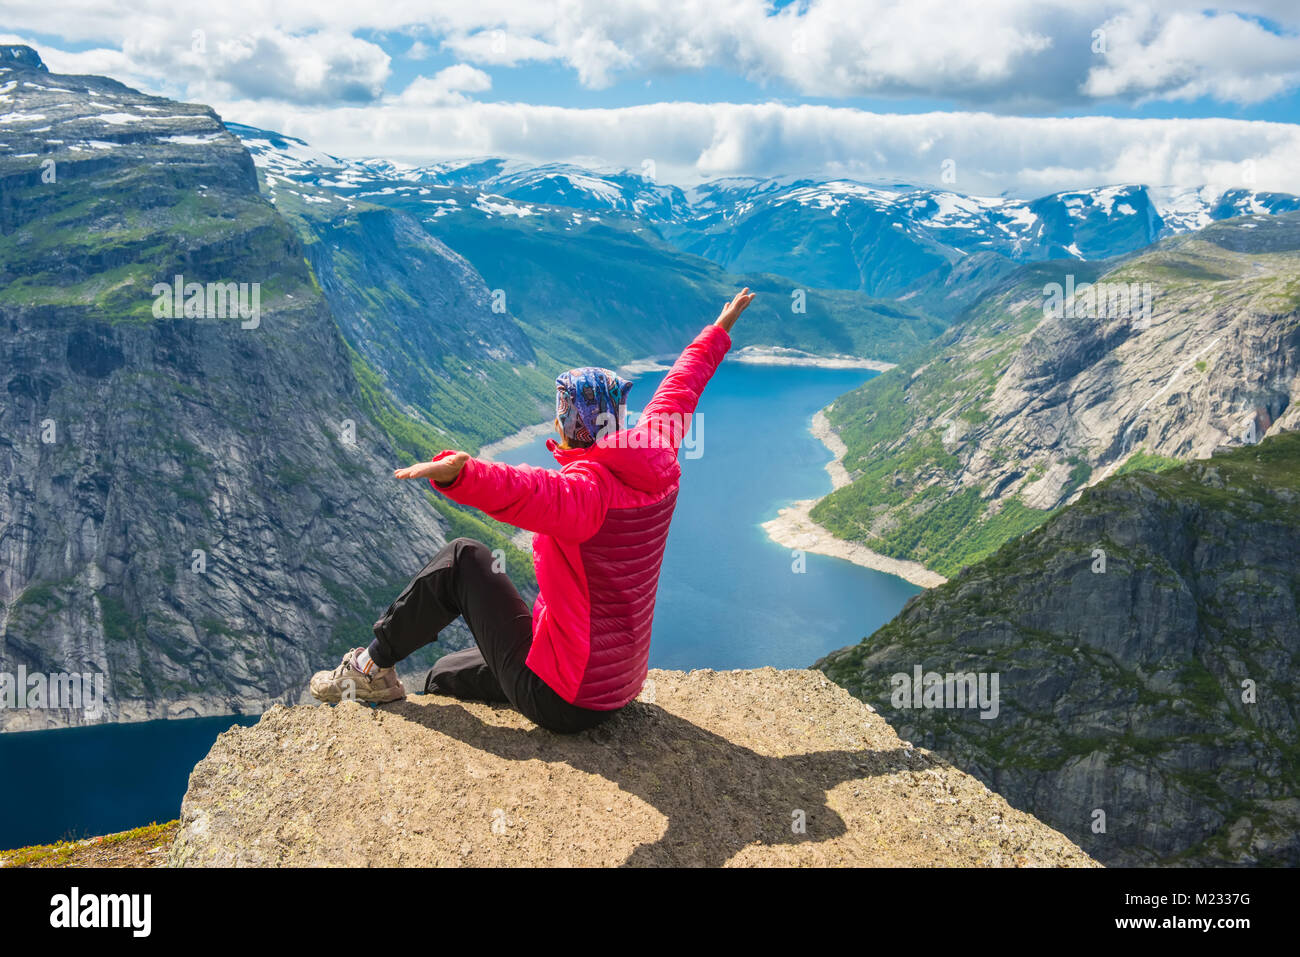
(741, 768)
(1145, 642)
(199, 507)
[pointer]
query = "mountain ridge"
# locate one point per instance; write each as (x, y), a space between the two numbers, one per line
(930, 246)
(1014, 409)
(1146, 638)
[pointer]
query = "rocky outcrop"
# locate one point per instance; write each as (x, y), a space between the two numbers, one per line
(743, 768)
(1144, 642)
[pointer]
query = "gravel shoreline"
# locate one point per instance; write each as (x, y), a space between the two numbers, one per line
(781, 356)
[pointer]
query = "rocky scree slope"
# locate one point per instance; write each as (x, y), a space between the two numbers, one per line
(742, 768)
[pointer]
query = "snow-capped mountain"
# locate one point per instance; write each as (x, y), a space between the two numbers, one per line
(526, 187)
(885, 239)
(888, 240)
(600, 191)
(1186, 208)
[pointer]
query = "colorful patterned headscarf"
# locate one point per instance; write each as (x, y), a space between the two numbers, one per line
(589, 403)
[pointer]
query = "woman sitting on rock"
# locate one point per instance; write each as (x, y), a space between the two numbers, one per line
(601, 523)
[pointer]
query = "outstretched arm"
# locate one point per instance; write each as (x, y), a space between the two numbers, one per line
(679, 393)
(569, 505)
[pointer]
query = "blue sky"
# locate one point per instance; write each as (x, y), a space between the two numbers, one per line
(1017, 95)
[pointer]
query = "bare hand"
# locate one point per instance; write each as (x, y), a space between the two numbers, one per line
(443, 470)
(732, 310)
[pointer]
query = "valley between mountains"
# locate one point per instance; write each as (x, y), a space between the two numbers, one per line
(199, 507)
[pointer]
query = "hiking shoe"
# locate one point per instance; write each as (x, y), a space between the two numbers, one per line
(346, 683)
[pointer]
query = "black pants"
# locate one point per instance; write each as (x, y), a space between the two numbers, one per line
(460, 580)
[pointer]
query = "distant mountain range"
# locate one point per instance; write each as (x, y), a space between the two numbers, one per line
(887, 240)
(585, 285)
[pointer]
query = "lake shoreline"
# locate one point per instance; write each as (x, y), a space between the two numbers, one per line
(525, 435)
(783, 356)
(794, 527)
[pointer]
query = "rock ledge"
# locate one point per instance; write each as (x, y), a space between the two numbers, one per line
(707, 768)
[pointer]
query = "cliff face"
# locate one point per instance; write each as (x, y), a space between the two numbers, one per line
(738, 768)
(199, 507)
(414, 311)
(1146, 641)
(1028, 400)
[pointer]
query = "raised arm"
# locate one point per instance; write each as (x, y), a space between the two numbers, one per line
(569, 505)
(679, 393)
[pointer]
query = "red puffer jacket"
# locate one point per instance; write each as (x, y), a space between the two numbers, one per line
(601, 524)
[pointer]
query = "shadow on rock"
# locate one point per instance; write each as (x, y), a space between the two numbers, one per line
(718, 796)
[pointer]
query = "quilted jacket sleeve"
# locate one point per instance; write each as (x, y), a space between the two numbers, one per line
(668, 411)
(568, 505)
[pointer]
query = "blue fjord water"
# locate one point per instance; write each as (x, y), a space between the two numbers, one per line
(80, 782)
(728, 598)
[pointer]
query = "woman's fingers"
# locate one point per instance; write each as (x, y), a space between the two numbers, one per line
(739, 301)
(443, 469)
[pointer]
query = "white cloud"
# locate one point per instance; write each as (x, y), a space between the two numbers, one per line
(419, 51)
(320, 68)
(198, 64)
(498, 48)
(446, 86)
(98, 62)
(299, 67)
(826, 47)
(1190, 55)
(1025, 156)
(1008, 54)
